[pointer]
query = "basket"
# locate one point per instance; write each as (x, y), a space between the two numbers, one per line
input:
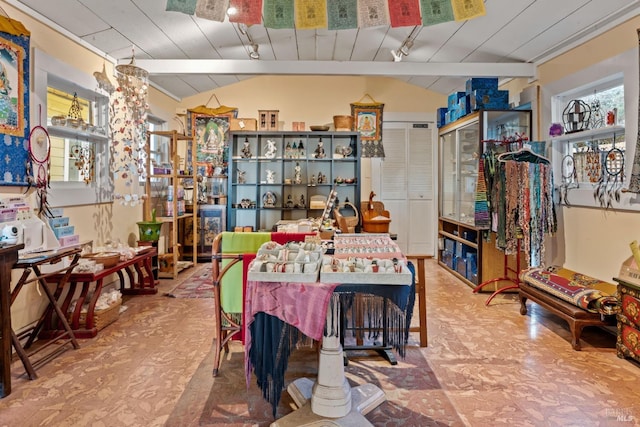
(343, 123)
(101, 318)
(107, 259)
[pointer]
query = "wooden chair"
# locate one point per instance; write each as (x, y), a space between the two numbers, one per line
(227, 325)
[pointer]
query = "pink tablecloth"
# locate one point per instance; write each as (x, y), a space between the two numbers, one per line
(303, 305)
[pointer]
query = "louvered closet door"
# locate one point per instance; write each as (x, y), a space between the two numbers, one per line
(407, 184)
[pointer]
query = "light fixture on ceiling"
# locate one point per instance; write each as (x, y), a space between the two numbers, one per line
(253, 46)
(406, 46)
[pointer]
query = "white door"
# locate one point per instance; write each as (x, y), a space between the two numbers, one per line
(405, 182)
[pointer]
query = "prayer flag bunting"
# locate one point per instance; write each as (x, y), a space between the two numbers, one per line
(342, 14)
(404, 13)
(372, 13)
(278, 13)
(436, 12)
(214, 10)
(248, 12)
(467, 9)
(311, 14)
(185, 6)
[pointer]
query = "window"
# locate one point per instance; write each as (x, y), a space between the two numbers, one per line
(80, 172)
(591, 158)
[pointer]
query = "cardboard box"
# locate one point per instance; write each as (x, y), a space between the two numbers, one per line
(243, 124)
(481, 83)
(490, 100)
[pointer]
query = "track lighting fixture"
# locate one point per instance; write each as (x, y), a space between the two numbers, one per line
(253, 46)
(254, 52)
(406, 46)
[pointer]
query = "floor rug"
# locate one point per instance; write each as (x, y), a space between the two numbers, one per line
(198, 285)
(414, 396)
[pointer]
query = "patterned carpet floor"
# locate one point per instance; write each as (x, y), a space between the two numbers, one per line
(198, 285)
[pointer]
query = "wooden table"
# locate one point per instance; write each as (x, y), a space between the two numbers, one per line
(141, 282)
(8, 257)
(33, 263)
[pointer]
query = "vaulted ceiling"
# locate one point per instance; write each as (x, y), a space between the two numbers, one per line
(187, 55)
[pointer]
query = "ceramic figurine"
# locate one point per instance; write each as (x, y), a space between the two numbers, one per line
(319, 153)
(271, 149)
(297, 174)
(242, 176)
(271, 176)
(246, 151)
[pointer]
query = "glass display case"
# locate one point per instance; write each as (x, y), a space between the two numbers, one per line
(464, 247)
(461, 145)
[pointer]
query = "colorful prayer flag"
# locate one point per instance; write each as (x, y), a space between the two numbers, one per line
(278, 13)
(214, 10)
(372, 13)
(342, 14)
(248, 12)
(184, 6)
(467, 9)
(436, 12)
(405, 13)
(311, 14)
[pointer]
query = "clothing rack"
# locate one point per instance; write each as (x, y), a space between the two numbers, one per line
(515, 145)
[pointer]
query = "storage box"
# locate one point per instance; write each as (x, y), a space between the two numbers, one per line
(461, 266)
(490, 100)
(481, 83)
(69, 240)
(243, 124)
(452, 100)
(59, 222)
(441, 117)
(66, 230)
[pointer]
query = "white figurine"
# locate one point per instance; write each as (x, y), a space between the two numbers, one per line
(271, 176)
(270, 149)
(297, 174)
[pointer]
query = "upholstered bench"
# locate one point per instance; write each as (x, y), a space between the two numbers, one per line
(577, 299)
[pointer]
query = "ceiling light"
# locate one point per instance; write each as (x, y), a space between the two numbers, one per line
(254, 52)
(232, 11)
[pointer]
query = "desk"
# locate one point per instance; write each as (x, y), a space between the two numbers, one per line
(65, 335)
(8, 257)
(139, 271)
(315, 313)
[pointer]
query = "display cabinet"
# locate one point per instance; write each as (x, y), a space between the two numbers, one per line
(466, 248)
(628, 320)
(277, 176)
(164, 188)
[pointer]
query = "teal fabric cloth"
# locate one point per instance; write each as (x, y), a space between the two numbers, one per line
(237, 243)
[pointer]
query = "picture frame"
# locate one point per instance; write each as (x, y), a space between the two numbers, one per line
(14, 103)
(213, 221)
(368, 120)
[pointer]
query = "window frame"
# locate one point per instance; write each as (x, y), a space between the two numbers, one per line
(620, 68)
(49, 71)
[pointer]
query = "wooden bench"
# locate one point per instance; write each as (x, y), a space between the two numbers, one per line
(576, 317)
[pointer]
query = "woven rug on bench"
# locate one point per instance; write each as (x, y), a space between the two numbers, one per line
(578, 289)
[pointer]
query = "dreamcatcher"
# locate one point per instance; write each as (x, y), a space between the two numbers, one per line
(614, 169)
(569, 178)
(38, 168)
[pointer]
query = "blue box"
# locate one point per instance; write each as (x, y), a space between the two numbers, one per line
(490, 100)
(461, 266)
(63, 231)
(453, 99)
(481, 83)
(59, 222)
(447, 258)
(470, 235)
(472, 263)
(464, 105)
(449, 245)
(441, 117)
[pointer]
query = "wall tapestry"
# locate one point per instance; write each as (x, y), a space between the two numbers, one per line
(211, 128)
(368, 121)
(14, 103)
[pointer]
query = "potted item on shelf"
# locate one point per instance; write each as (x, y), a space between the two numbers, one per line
(150, 230)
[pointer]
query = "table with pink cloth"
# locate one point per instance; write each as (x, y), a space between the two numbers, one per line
(278, 314)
